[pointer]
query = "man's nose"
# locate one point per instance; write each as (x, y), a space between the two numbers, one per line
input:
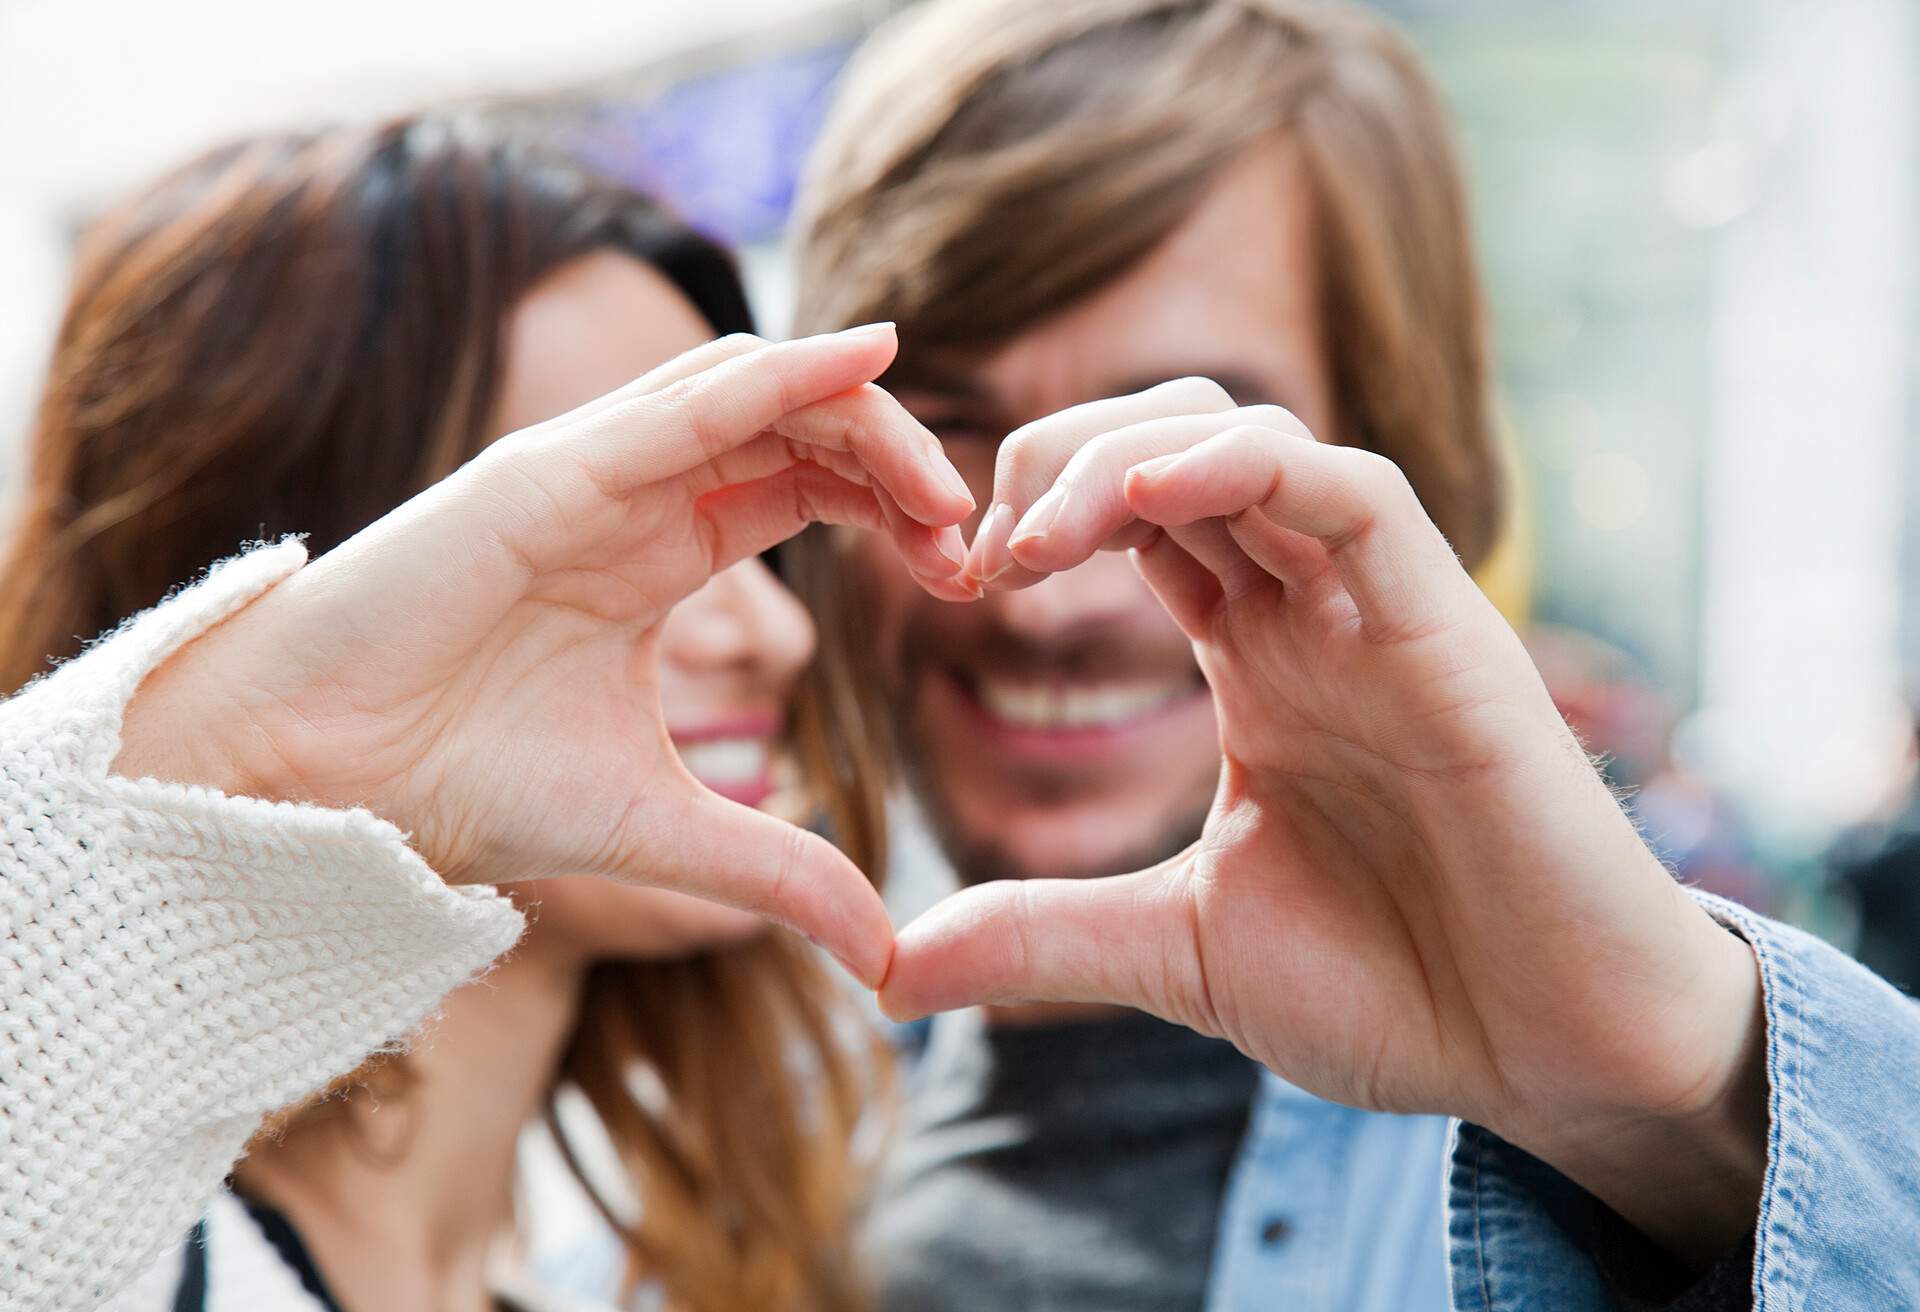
(1105, 590)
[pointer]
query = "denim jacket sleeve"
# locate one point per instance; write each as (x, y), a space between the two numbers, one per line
(1840, 1209)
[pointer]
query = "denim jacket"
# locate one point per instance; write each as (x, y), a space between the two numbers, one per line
(1345, 1211)
(1332, 1209)
(1329, 1209)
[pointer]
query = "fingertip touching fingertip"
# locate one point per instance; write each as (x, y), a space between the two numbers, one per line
(951, 546)
(988, 559)
(866, 977)
(957, 587)
(896, 1011)
(1030, 555)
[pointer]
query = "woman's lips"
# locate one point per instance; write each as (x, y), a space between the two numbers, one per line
(734, 756)
(764, 725)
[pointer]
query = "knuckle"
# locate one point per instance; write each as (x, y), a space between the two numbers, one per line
(1379, 480)
(1195, 392)
(1024, 919)
(832, 425)
(1276, 417)
(1019, 456)
(791, 862)
(1369, 466)
(739, 343)
(1255, 449)
(1392, 479)
(1251, 436)
(676, 409)
(1097, 453)
(538, 480)
(860, 415)
(785, 400)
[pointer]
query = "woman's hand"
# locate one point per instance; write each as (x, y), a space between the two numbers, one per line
(479, 666)
(1413, 893)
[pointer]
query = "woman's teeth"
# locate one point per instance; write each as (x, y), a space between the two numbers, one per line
(728, 760)
(1055, 706)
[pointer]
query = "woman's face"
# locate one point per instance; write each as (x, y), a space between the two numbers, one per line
(729, 655)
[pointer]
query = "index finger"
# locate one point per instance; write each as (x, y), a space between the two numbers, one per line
(684, 365)
(1390, 558)
(649, 436)
(1087, 505)
(1032, 456)
(899, 452)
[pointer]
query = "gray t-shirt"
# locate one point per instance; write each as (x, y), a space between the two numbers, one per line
(1059, 1168)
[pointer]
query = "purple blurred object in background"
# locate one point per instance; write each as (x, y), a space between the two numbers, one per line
(725, 148)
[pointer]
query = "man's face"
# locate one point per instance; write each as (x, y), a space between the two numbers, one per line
(1064, 730)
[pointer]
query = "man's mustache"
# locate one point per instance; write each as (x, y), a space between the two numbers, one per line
(1096, 653)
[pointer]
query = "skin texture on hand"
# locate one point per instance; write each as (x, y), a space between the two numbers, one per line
(1413, 892)
(479, 666)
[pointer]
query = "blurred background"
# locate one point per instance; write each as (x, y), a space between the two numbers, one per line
(1699, 219)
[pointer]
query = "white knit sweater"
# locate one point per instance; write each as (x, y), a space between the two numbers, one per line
(175, 964)
(245, 1273)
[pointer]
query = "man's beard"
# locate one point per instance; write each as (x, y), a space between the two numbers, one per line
(980, 858)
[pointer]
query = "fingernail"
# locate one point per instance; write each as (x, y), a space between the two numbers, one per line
(844, 964)
(990, 557)
(949, 476)
(1149, 470)
(1039, 518)
(952, 545)
(898, 1014)
(882, 329)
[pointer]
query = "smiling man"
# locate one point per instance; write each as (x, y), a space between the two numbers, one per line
(1064, 202)
(1059, 203)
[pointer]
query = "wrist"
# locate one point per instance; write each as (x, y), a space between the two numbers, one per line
(1685, 1159)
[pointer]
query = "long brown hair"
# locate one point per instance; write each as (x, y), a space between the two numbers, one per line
(988, 163)
(294, 334)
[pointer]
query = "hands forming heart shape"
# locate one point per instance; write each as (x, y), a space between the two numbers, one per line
(480, 666)
(1413, 891)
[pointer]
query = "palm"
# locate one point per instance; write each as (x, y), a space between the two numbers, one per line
(519, 733)
(1313, 844)
(1393, 901)
(1377, 828)
(541, 730)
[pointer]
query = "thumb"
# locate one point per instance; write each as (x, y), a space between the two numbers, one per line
(1125, 940)
(700, 843)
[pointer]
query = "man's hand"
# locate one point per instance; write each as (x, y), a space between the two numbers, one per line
(479, 666)
(1413, 892)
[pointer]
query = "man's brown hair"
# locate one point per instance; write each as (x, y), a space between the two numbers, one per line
(990, 162)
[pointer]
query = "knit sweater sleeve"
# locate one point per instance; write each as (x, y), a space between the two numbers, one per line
(176, 963)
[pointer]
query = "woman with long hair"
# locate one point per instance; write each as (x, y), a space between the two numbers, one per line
(292, 336)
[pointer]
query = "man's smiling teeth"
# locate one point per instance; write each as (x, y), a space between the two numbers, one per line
(1059, 706)
(727, 760)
